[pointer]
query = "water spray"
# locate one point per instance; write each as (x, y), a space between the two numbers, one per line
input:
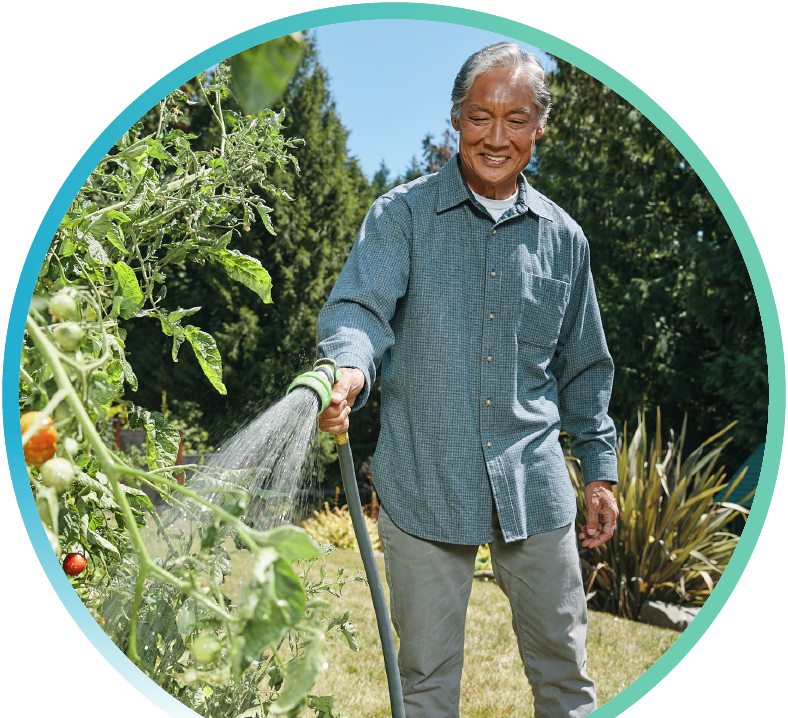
(325, 373)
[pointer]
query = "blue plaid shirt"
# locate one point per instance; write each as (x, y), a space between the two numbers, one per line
(489, 342)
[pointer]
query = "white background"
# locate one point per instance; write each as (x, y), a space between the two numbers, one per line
(71, 68)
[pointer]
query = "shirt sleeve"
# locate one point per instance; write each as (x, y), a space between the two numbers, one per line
(354, 324)
(583, 368)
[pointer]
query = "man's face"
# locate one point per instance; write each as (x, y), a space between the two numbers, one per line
(498, 128)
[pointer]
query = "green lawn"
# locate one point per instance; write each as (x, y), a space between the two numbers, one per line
(494, 685)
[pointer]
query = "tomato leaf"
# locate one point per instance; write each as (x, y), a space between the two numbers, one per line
(271, 608)
(244, 269)
(133, 298)
(205, 349)
(291, 542)
(146, 644)
(104, 228)
(101, 394)
(94, 537)
(116, 344)
(187, 619)
(161, 448)
(222, 565)
(261, 73)
(301, 674)
(96, 252)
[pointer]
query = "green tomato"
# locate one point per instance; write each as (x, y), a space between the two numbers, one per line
(62, 305)
(190, 676)
(206, 648)
(63, 412)
(68, 336)
(71, 446)
(57, 473)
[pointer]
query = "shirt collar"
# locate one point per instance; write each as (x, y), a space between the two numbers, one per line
(453, 190)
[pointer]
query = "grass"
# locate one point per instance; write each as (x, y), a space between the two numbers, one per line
(493, 683)
(493, 680)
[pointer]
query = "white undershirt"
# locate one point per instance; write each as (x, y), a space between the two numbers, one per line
(496, 207)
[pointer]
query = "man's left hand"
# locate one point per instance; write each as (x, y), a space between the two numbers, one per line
(602, 513)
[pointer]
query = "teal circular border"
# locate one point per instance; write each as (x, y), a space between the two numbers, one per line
(399, 11)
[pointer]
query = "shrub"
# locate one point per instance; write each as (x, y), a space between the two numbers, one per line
(671, 542)
(335, 527)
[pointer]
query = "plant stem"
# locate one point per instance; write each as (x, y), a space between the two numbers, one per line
(135, 609)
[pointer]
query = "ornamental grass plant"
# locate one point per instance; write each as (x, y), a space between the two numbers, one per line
(335, 527)
(672, 541)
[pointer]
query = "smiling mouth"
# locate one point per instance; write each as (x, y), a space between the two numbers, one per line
(495, 158)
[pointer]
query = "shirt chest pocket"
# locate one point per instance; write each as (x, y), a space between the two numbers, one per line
(542, 304)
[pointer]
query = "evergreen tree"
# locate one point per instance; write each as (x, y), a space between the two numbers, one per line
(414, 171)
(381, 180)
(264, 345)
(676, 299)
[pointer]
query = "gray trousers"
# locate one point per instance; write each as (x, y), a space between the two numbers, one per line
(430, 584)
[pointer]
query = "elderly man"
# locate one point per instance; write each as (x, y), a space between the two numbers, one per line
(473, 294)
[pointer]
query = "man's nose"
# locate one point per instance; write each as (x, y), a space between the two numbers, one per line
(497, 134)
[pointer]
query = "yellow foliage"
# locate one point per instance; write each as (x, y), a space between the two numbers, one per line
(334, 526)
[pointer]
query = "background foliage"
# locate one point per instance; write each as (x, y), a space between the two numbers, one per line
(677, 303)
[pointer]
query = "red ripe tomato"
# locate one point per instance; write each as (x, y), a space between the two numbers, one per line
(41, 446)
(74, 564)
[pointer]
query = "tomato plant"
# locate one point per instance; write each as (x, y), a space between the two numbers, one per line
(154, 206)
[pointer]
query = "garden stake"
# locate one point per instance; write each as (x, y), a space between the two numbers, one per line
(321, 379)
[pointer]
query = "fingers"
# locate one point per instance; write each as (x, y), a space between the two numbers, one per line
(334, 420)
(349, 386)
(602, 514)
(592, 520)
(600, 535)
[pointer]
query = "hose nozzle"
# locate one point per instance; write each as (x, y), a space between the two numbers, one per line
(325, 373)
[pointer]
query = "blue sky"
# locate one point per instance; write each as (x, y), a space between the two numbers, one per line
(392, 79)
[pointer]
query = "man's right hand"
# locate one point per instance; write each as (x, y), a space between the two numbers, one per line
(343, 395)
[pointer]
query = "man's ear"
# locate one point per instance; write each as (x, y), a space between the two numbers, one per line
(539, 131)
(455, 123)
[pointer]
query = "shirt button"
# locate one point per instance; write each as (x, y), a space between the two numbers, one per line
(492, 316)
(492, 274)
(489, 358)
(489, 444)
(494, 231)
(488, 402)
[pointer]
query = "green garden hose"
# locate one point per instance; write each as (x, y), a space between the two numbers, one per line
(325, 373)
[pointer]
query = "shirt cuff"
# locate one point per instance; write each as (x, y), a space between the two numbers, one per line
(346, 359)
(600, 468)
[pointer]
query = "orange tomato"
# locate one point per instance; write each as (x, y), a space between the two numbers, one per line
(41, 446)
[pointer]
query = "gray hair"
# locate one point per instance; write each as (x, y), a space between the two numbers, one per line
(503, 54)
